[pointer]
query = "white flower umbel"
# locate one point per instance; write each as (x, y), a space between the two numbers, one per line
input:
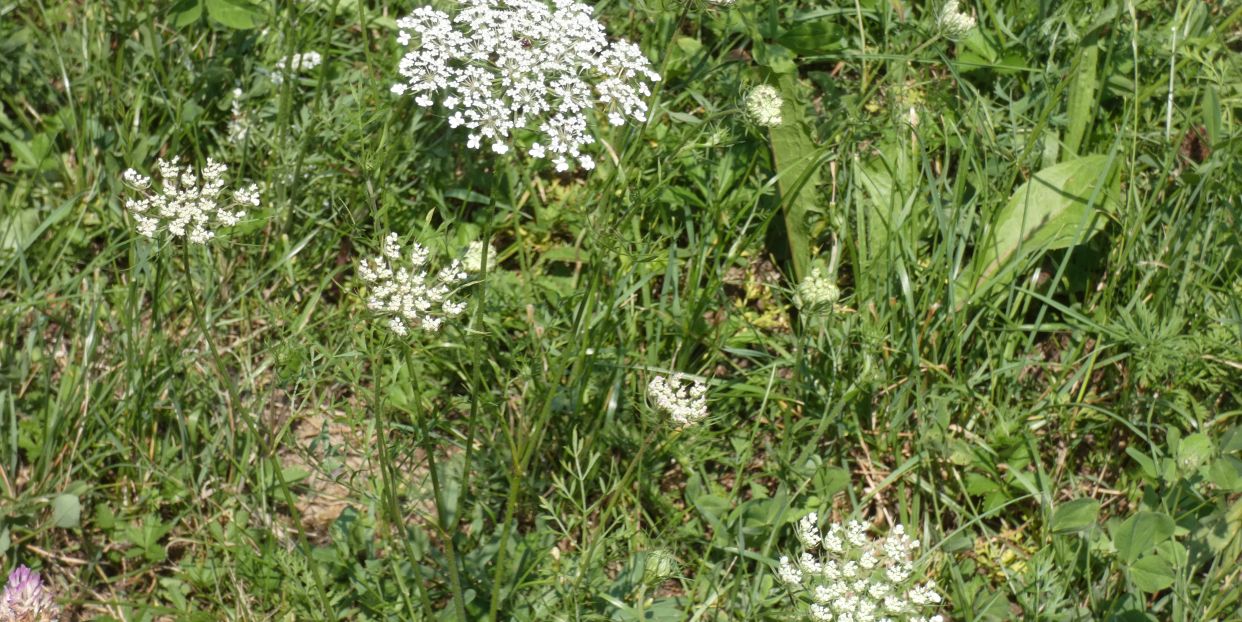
(953, 23)
(404, 289)
(845, 576)
(683, 399)
(504, 66)
(295, 64)
(763, 106)
(186, 204)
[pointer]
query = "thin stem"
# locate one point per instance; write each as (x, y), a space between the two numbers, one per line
(594, 539)
(442, 511)
(388, 477)
(450, 549)
(231, 385)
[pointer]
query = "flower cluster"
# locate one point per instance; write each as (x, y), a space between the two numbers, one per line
(185, 204)
(954, 24)
(818, 291)
(857, 579)
(294, 64)
(25, 599)
(239, 124)
(403, 288)
(682, 398)
(501, 66)
(763, 105)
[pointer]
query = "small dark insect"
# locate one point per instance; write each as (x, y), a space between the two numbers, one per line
(1195, 145)
(526, 42)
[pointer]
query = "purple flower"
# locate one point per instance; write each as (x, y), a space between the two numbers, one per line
(25, 600)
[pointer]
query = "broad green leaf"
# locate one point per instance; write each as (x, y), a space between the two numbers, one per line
(1141, 533)
(689, 45)
(814, 36)
(1075, 515)
(1148, 465)
(777, 58)
(1226, 474)
(66, 511)
(1059, 207)
(1194, 451)
(1212, 114)
(236, 14)
(795, 156)
(888, 211)
(1081, 102)
(1231, 440)
(1151, 574)
(17, 229)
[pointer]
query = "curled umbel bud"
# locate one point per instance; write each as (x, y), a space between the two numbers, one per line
(953, 23)
(763, 106)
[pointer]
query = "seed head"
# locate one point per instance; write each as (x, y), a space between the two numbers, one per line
(658, 566)
(472, 261)
(818, 291)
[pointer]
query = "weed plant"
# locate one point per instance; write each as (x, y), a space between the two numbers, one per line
(982, 279)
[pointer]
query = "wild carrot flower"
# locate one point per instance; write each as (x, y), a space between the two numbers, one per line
(294, 64)
(763, 105)
(500, 67)
(953, 23)
(405, 290)
(684, 400)
(26, 600)
(855, 578)
(186, 204)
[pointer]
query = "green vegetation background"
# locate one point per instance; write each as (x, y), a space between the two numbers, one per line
(1051, 405)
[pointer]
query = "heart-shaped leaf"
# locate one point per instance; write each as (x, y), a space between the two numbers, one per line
(1141, 533)
(1076, 515)
(1152, 574)
(66, 511)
